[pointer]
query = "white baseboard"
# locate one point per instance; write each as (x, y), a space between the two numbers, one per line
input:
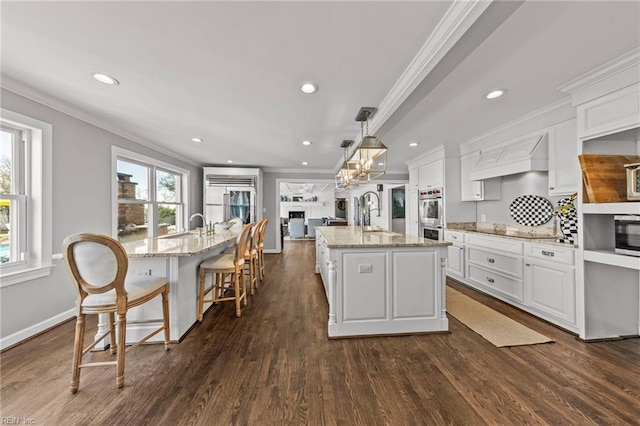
(271, 251)
(15, 338)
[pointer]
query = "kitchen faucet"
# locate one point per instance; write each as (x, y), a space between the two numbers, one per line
(204, 222)
(361, 204)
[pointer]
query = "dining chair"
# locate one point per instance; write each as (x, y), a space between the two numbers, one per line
(263, 229)
(98, 265)
(227, 274)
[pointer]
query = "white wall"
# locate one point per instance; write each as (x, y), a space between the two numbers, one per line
(530, 183)
(81, 203)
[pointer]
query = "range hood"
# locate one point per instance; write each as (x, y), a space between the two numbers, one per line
(522, 155)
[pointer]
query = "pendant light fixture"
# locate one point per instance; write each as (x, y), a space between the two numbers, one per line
(347, 175)
(370, 156)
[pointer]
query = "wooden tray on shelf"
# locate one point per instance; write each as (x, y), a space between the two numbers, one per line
(605, 177)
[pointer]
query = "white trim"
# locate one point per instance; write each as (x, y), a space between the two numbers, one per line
(19, 336)
(621, 63)
(297, 171)
(185, 183)
(460, 16)
(546, 116)
(436, 153)
(40, 188)
(21, 89)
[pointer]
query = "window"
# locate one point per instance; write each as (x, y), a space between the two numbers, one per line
(151, 197)
(25, 198)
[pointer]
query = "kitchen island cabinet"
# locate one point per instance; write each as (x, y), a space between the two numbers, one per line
(177, 257)
(381, 283)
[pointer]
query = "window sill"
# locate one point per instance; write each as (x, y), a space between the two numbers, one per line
(13, 278)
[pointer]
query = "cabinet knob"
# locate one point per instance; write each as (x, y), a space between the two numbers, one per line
(551, 188)
(491, 280)
(527, 264)
(490, 260)
(477, 195)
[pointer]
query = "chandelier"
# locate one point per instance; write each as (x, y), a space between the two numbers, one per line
(370, 156)
(347, 175)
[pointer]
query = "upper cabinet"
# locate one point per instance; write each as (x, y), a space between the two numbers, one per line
(476, 190)
(431, 175)
(611, 113)
(563, 159)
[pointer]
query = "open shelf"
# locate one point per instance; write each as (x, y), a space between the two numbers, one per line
(302, 203)
(611, 208)
(609, 257)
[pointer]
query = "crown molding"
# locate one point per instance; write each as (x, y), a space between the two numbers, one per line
(457, 20)
(52, 102)
(297, 171)
(460, 16)
(620, 64)
(546, 116)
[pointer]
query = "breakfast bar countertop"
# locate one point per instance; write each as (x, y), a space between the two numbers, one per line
(354, 236)
(184, 244)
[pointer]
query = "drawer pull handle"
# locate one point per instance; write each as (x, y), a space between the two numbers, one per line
(527, 264)
(548, 253)
(491, 280)
(490, 260)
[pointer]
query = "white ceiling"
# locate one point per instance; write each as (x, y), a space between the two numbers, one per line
(229, 72)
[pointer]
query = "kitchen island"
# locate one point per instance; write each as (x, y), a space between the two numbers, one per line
(177, 257)
(381, 283)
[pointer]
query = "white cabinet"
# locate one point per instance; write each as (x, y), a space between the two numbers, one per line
(431, 175)
(411, 211)
(564, 169)
(476, 190)
(495, 264)
(549, 283)
(455, 260)
(611, 113)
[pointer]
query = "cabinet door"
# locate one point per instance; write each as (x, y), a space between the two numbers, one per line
(470, 190)
(411, 213)
(455, 266)
(615, 112)
(563, 159)
(550, 289)
(431, 175)
(413, 178)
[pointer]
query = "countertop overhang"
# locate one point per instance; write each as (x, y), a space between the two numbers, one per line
(354, 237)
(186, 244)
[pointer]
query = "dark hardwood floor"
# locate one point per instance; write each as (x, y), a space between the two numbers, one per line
(275, 366)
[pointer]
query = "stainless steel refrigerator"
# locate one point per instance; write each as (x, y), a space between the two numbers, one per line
(224, 202)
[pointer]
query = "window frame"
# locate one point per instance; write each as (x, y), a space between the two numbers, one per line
(118, 153)
(37, 202)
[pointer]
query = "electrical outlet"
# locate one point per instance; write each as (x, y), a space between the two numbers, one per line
(365, 269)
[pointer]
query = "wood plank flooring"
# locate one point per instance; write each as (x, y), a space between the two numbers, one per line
(275, 366)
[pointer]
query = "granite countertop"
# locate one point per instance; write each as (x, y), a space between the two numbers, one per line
(512, 234)
(353, 237)
(185, 244)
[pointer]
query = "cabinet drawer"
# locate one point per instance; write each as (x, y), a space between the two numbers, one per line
(511, 287)
(510, 265)
(551, 253)
(454, 237)
(513, 247)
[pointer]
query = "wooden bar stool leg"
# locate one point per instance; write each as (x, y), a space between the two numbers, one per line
(201, 295)
(122, 340)
(112, 332)
(165, 317)
(77, 353)
(236, 289)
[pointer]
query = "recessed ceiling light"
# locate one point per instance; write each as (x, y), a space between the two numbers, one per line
(495, 93)
(304, 163)
(106, 79)
(413, 144)
(196, 139)
(229, 161)
(307, 143)
(308, 88)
